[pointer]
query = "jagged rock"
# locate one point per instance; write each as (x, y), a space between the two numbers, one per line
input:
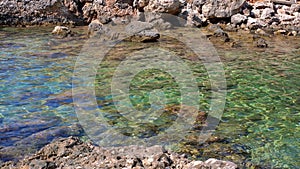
(157, 20)
(141, 32)
(73, 153)
(267, 13)
(15, 12)
(295, 8)
(196, 19)
(285, 17)
(238, 19)
(263, 4)
(222, 8)
(140, 4)
(256, 13)
(163, 6)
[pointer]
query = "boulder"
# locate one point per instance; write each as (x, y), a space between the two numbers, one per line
(238, 19)
(214, 163)
(62, 31)
(263, 4)
(163, 6)
(267, 13)
(196, 19)
(141, 32)
(222, 8)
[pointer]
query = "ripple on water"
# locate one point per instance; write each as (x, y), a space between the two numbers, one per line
(260, 123)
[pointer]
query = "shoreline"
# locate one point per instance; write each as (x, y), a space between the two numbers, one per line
(276, 17)
(71, 152)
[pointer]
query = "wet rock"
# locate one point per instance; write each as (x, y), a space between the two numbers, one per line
(261, 43)
(24, 129)
(222, 8)
(141, 32)
(238, 19)
(214, 163)
(260, 32)
(219, 33)
(72, 152)
(34, 139)
(163, 6)
(62, 31)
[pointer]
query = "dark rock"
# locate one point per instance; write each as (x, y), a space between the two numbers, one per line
(195, 19)
(261, 43)
(144, 36)
(32, 143)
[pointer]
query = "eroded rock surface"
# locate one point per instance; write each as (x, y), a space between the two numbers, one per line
(73, 153)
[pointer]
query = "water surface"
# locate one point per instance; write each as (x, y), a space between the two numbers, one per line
(260, 124)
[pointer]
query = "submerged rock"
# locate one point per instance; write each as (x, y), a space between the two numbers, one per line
(62, 31)
(27, 136)
(261, 43)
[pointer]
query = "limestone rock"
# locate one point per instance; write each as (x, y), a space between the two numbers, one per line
(214, 163)
(238, 19)
(141, 32)
(222, 8)
(163, 6)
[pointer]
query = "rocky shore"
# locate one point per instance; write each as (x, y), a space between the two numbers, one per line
(73, 153)
(273, 16)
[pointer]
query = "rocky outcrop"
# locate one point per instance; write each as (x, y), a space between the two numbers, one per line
(14, 12)
(73, 153)
(163, 6)
(222, 8)
(252, 15)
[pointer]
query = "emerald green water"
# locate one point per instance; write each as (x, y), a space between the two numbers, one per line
(260, 124)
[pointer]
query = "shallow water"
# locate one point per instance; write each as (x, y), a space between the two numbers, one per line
(260, 124)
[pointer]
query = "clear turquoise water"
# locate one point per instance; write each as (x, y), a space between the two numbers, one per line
(260, 125)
